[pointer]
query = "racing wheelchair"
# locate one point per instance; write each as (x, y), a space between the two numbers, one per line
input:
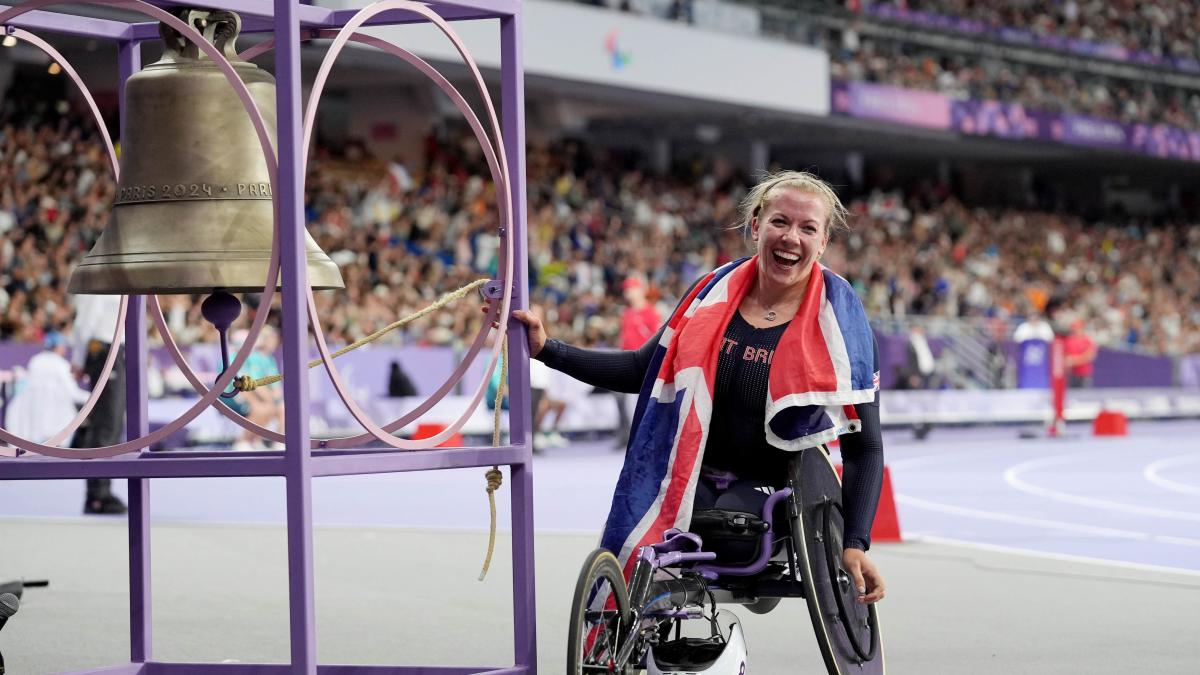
(624, 628)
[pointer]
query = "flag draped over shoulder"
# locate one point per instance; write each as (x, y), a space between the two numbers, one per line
(823, 365)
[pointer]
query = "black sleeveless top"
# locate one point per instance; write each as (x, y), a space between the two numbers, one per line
(736, 440)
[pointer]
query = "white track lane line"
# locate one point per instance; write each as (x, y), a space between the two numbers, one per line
(919, 460)
(1012, 477)
(1109, 532)
(1033, 553)
(1151, 473)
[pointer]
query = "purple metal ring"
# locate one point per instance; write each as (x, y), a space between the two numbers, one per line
(119, 329)
(499, 177)
(272, 273)
(501, 182)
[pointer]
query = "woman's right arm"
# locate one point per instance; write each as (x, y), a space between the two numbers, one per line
(622, 370)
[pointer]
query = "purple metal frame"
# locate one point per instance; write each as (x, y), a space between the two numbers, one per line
(679, 547)
(299, 464)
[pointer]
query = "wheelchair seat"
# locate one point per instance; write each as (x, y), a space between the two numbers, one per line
(735, 536)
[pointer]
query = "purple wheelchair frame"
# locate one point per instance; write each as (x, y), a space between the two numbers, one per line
(672, 550)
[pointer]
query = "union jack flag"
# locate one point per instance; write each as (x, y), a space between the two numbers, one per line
(823, 366)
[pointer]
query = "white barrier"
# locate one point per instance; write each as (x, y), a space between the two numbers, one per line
(1000, 406)
(595, 412)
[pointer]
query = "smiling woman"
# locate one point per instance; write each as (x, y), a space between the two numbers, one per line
(791, 216)
(777, 356)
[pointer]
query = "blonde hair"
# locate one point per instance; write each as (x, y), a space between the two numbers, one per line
(800, 180)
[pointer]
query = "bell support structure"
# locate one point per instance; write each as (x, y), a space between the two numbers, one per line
(289, 21)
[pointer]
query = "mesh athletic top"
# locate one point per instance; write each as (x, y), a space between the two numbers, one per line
(737, 440)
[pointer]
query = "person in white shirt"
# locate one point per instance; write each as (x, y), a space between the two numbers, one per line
(544, 403)
(919, 370)
(48, 396)
(1036, 327)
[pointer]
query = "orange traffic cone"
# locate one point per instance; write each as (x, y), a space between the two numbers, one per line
(886, 528)
(431, 429)
(1110, 423)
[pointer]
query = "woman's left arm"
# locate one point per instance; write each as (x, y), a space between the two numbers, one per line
(862, 478)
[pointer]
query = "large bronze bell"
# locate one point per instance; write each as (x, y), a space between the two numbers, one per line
(193, 208)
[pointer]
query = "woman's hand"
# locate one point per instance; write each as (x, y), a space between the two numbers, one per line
(536, 329)
(865, 575)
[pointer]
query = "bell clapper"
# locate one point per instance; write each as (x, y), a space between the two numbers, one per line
(221, 309)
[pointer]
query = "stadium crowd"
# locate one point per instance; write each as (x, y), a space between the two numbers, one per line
(1166, 28)
(1163, 29)
(960, 76)
(403, 237)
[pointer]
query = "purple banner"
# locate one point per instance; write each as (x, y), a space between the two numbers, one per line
(1081, 130)
(892, 104)
(1126, 369)
(1161, 140)
(1033, 364)
(1010, 120)
(1106, 50)
(993, 118)
(1189, 371)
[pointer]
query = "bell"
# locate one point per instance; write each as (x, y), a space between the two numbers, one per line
(193, 208)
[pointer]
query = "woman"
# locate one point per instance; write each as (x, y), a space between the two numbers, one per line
(764, 356)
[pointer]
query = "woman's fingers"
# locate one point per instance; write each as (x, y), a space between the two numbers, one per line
(525, 317)
(875, 587)
(866, 577)
(537, 331)
(875, 595)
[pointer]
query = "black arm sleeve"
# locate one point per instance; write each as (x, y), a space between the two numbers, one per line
(862, 473)
(617, 370)
(621, 371)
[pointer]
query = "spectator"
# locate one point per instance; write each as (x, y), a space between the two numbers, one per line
(1167, 28)
(48, 397)
(93, 330)
(1080, 353)
(545, 405)
(918, 372)
(262, 405)
(595, 220)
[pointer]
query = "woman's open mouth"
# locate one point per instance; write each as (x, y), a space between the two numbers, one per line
(785, 258)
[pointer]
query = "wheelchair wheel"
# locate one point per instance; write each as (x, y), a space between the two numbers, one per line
(847, 632)
(599, 616)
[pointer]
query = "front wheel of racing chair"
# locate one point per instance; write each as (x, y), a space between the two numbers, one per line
(599, 616)
(847, 632)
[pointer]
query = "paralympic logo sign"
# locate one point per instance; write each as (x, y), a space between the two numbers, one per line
(619, 58)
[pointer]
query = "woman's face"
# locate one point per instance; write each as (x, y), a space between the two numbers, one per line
(790, 234)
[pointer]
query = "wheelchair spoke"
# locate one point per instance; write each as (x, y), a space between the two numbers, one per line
(600, 610)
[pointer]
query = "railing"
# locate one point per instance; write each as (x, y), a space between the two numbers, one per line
(970, 352)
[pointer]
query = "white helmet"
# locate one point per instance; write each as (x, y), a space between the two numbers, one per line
(695, 656)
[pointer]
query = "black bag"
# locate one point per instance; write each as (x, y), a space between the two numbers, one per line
(735, 536)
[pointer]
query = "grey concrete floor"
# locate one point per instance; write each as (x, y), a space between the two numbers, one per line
(408, 596)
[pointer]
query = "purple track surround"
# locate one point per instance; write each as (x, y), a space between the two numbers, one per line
(299, 464)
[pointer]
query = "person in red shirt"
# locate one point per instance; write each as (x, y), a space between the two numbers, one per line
(640, 319)
(639, 322)
(1080, 353)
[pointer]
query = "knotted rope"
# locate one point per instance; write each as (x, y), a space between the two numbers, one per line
(494, 477)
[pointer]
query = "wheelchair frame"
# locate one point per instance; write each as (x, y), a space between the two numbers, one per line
(613, 628)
